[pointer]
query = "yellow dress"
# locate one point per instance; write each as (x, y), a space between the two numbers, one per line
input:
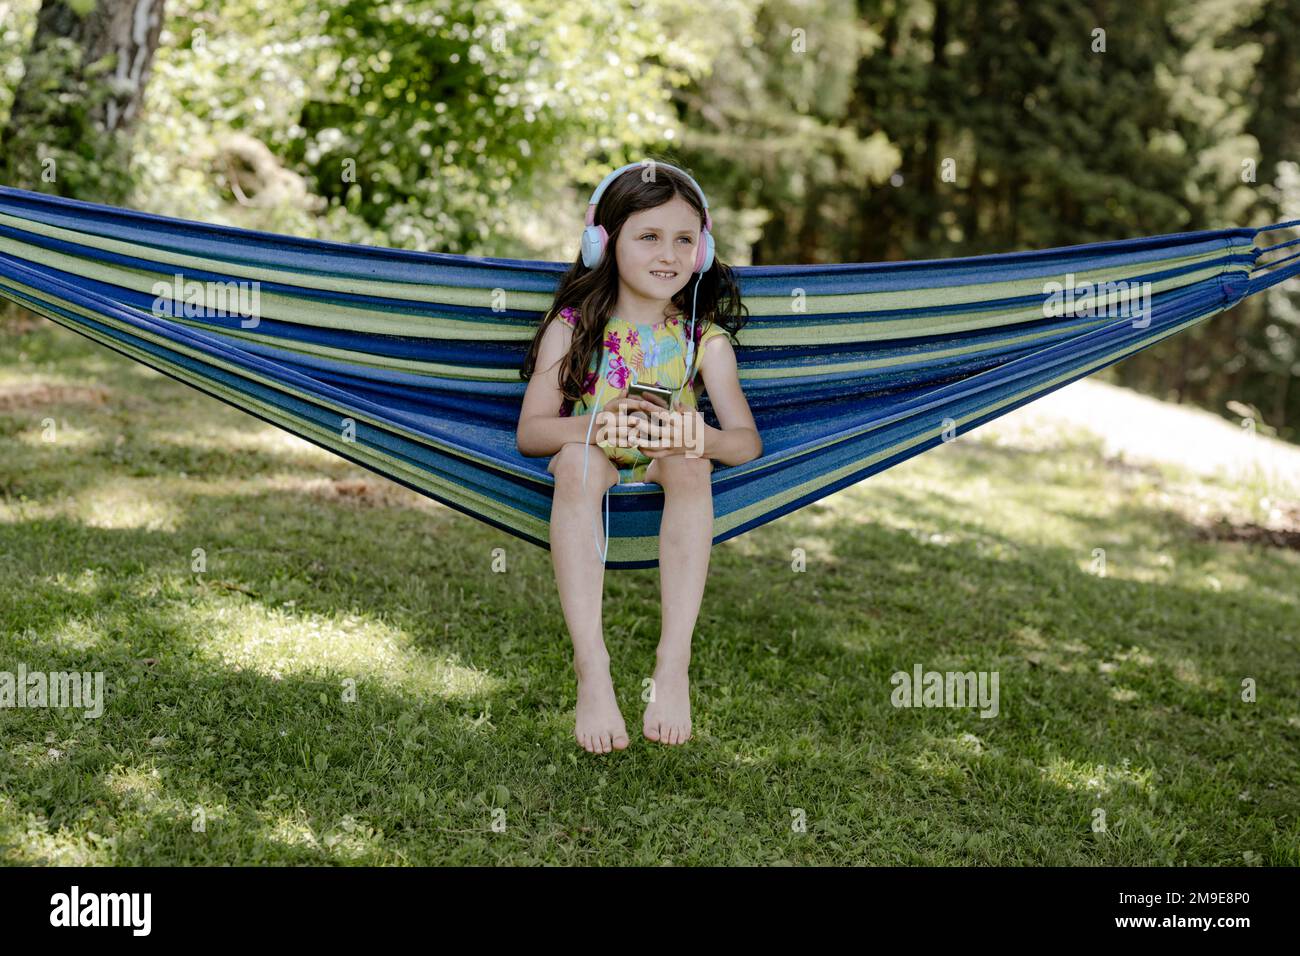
(635, 352)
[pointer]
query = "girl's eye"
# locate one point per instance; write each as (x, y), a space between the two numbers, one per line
(651, 235)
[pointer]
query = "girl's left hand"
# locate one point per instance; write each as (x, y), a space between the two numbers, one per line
(672, 435)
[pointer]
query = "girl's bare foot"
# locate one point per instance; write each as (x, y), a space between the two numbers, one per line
(600, 726)
(668, 716)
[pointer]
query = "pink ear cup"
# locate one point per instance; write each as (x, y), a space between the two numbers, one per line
(706, 240)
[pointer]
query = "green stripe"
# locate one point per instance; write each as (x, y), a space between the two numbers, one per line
(378, 459)
(279, 386)
(409, 291)
(362, 359)
(641, 548)
(798, 331)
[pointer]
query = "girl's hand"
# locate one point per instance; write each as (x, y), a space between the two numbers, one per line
(649, 404)
(614, 426)
(671, 435)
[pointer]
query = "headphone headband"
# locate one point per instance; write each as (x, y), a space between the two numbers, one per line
(651, 164)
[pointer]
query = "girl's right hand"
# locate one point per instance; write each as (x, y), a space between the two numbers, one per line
(621, 433)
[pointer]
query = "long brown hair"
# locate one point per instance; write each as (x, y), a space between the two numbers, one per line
(593, 292)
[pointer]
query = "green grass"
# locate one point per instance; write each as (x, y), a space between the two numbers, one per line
(1119, 692)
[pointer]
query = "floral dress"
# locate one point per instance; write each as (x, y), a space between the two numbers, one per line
(635, 352)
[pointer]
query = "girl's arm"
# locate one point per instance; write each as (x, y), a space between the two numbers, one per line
(542, 430)
(737, 441)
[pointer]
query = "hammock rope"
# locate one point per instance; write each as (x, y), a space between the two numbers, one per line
(407, 363)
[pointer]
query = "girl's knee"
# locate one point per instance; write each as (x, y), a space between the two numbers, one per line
(568, 465)
(682, 470)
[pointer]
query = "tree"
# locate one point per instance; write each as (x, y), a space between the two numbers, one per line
(83, 82)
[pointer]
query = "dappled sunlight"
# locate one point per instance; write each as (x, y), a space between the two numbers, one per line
(1254, 512)
(308, 663)
(1028, 432)
(76, 633)
(349, 839)
(139, 785)
(66, 436)
(1063, 656)
(966, 743)
(1098, 779)
(38, 395)
(947, 758)
(253, 435)
(278, 642)
(86, 582)
(145, 504)
(974, 551)
(26, 839)
(910, 567)
(1110, 671)
(139, 789)
(747, 546)
(1142, 428)
(845, 506)
(1189, 672)
(364, 489)
(933, 507)
(16, 511)
(1127, 564)
(746, 756)
(1151, 566)
(359, 488)
(40, 755)
(1143, 565)
(1090, 563)
(817, 551)
(875, 503)
(1134, 655)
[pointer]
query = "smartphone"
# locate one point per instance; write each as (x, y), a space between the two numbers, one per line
(642, 389)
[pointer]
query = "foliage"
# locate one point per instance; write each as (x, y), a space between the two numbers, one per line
(56, 145)
(17, 24)
(435, 114)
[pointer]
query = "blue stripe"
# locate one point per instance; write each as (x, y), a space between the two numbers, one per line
(815, 421)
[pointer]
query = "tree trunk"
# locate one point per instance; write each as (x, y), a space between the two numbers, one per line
(928, 229)
(83, 84)
(1280, 402)
(126, 29)
(808, 250)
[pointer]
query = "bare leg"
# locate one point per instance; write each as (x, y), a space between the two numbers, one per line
(685, 542)
(576, 529)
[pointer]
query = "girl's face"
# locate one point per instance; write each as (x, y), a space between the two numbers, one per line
(664, 239)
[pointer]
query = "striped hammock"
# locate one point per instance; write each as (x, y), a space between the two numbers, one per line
(408, 363)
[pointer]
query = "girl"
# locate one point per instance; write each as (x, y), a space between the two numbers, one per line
(620, 315)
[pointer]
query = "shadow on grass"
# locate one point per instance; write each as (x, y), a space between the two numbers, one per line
(1116, 694)
(803, 718)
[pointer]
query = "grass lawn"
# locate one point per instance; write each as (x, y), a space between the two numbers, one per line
(228, 735)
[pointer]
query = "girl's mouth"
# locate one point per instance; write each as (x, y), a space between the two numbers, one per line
(664, 275)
